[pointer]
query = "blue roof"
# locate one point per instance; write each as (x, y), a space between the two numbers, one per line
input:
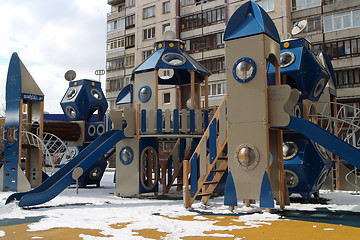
(248, 20)
(173, 49)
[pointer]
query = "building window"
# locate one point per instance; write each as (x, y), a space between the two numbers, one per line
(304, 4)
(214, 65)
(130, 21)
(166, 27)
(147, 53)
(202, 19)
(166, 7)
(340, 49)
(348, 78)
(186, 2)
(166, 98)
(267, 5)
(116, 25)
(126, 61)
(215, 89)
(115, 84)
(117, 43)
(149, 33)
(149, 12)
(129, 3)
(349, 110)
(208, 42)
(130, 41)
(343, 20)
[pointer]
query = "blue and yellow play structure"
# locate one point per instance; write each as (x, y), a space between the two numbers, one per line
(261, 143)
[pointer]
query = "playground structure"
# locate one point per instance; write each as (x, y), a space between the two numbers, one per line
(259, 142)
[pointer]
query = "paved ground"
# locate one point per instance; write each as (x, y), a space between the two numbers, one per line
(282, 229)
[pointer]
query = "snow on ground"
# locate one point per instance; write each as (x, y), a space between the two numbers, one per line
(98, 208)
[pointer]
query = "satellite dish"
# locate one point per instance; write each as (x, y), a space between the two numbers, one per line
(299, 27)
(169, 35)
(70, 75)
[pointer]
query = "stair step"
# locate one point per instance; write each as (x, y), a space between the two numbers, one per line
(218, 170)
(203, 194)
(211, 182)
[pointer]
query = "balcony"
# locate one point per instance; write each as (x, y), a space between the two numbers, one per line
(115, 2)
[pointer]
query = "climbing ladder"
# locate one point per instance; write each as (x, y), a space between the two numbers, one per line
(209, 162)
(51, 146)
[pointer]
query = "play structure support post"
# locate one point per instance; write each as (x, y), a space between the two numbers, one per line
(186, 170)
(337, 161)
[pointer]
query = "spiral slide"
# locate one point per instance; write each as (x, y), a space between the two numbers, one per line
(63, 177)
(325, 139)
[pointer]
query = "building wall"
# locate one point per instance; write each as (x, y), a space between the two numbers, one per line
(204, 41)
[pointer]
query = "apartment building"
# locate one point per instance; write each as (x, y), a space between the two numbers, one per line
(135, 25)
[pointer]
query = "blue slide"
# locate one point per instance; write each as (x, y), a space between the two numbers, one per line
(63, 177)
(325, 139)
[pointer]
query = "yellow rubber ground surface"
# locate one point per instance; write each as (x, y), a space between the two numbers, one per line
(281, 229)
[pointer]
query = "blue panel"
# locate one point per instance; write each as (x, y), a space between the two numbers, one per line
(150, 63)
(176, 120)
(212, 141)
(127, 90)
(63, 177)
(169, 170)
(194, 174)
(159, 122)
(143, 120)
(230, 191)
(266, 195)
(325, 139)
(12, 119)
(182, 149)
(250, 19)
(206, 119)
(192, 120)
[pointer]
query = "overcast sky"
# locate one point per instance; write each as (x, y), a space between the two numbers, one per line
(52, 37)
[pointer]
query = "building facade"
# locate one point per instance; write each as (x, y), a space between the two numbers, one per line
(135, 25)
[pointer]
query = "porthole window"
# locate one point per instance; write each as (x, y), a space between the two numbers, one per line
(244, 70)
(319, 87)
(91, 130)
(174, 59)
(71, 112)
(71, 93)
(247, 156)
(322, 178)
(321, 150)
(96, 94)
(95, 173)
(100, 129)
(291, 178)
(286, 59)
(126, 155)
(290, 149)
(144, 94)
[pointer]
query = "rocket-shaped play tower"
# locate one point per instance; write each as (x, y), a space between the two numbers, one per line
(22, 93)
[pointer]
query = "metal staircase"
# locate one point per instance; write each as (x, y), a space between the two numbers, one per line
(209, 161)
